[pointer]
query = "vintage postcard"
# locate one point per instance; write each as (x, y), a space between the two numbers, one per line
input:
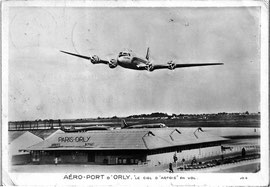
(134, 93)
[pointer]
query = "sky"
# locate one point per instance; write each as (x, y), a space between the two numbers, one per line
(47, 84)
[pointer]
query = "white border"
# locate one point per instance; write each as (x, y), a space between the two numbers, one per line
(265, 92)
(4, 91)
(124, 3)
(253, 179)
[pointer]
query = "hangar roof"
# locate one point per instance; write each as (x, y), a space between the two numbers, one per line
(25, 140)
(126, 139)
(44, 133)
(12, 135)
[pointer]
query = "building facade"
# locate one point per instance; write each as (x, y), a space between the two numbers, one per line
(126, 146)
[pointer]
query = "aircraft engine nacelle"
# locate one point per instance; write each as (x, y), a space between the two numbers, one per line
(95, 59)
(171, 65)
(113, 63)
(150, 67)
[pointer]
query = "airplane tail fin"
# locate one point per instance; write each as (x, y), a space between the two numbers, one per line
(147, 53)
(200, 129)
(124, 124)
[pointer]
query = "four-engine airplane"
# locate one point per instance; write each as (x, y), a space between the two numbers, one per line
(127, 59)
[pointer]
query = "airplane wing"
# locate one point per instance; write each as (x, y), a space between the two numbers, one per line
(94, 59)
(192, 65)
(171, 65)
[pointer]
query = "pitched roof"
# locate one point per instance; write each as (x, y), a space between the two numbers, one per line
(44, 133)
(58, 131)
(125, 139)
(12, 135)
(25, 140)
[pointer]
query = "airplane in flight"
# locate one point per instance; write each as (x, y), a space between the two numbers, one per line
(124, 125)
(127, 59)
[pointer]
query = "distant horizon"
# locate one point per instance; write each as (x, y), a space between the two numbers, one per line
(250, 112)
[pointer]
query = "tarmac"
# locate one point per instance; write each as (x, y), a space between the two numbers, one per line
(248, 166)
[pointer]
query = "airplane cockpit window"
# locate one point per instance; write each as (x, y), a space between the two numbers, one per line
(124, 54)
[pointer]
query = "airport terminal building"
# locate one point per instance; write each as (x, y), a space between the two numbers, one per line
(126, 146)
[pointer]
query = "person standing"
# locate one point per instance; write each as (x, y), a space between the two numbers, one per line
(170, 168)
(243, 152)
(56, 161)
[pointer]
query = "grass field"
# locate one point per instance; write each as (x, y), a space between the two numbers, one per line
(201, 123)
(211, 120)
(176, 122)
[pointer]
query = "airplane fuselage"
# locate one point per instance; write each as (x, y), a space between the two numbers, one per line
(155, 125)
(132, 62)
(84, 129)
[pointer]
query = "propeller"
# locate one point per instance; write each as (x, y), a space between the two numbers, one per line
(95, 59)
(113, 63)
(150, 67)
(171, 65)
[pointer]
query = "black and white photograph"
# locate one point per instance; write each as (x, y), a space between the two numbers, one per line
(144, 93)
